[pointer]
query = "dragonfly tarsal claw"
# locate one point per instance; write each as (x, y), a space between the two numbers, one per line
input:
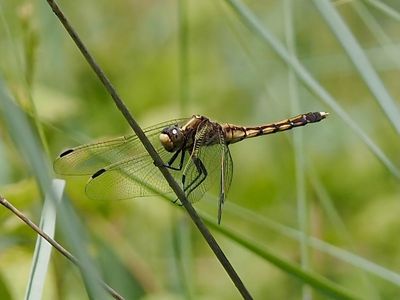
(176, 202)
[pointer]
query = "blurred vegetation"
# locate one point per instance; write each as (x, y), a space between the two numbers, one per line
(171, 59)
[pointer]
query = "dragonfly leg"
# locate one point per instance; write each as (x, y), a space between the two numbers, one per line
(202, 175)
(173, 158)
(171, 161)
(175, 202)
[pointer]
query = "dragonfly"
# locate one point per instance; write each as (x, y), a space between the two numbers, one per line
(195, 150)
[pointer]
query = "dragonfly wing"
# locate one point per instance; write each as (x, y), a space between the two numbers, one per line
(228, 168)
(130, 178)
(225, 176)
(89, 158)
(86, 159)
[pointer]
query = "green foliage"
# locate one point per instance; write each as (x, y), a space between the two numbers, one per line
(325, 197)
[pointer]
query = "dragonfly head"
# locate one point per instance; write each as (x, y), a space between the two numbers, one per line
(172, 138)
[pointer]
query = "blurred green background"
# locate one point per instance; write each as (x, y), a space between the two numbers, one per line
(172, 59)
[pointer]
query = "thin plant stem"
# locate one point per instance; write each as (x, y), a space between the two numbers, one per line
(183, 54)
(152, 152)
(55, 244)
(320, 283)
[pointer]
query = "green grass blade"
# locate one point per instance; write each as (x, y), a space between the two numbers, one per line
(183, 20)
(250, 20)
(339, 225)
(5, 292)
(181, 244)
(341, 254)
(27, 143)
(118, 273)
(360, 61)
(181, 248)
(386, 9)
(301, 197)
(41, 256)
(317, 281)
(24, 137)
(356, 260)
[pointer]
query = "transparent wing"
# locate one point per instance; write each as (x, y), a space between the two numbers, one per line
(89, 158)
(133, 177)
(210, 148)
(228, 168)
(225, 179)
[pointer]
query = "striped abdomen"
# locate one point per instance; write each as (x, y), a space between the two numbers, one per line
(235, 133)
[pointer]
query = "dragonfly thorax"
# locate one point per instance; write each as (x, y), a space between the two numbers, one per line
(172, 138)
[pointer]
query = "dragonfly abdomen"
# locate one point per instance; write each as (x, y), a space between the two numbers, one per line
(235, 133)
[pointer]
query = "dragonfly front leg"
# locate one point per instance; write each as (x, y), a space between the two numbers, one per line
(173, 158)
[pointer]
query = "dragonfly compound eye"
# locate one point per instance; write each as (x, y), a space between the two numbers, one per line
(171, 138)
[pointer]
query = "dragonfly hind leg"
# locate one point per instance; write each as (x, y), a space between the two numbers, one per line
(200, 177)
